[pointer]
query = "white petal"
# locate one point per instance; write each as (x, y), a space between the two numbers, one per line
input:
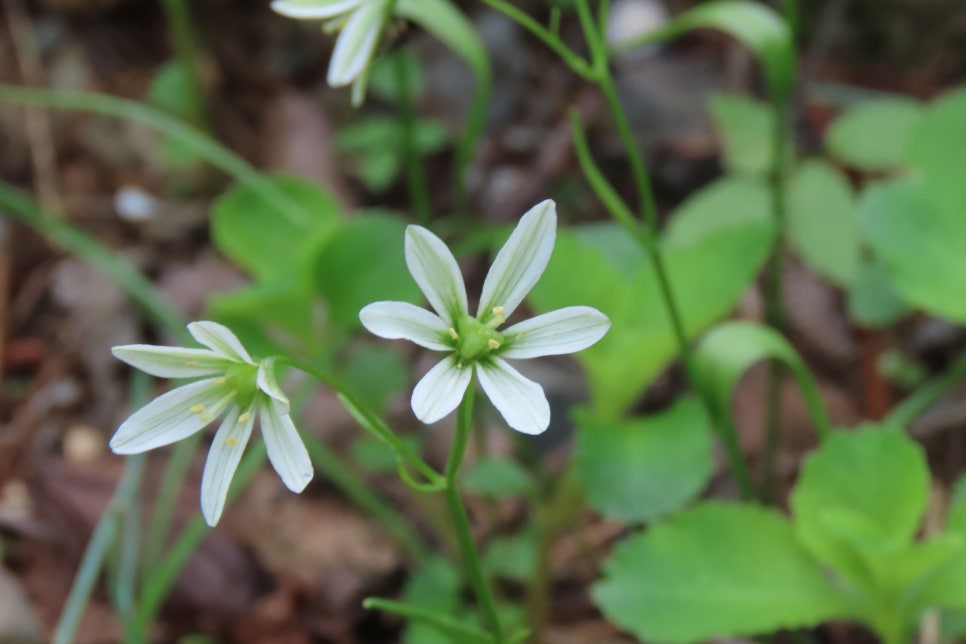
(285, 449)
(441, 390)
(435, 270)
(563, 331)
(220, 339)
(223, 458)
(520, 262)
(171, 362)
(401, 320)
(310, 9)
(168, 418)
(521, 401)
(267, 383)
(356, 43)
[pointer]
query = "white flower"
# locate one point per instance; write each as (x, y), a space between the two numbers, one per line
(474, 342)
(359, 21)
(235, 385)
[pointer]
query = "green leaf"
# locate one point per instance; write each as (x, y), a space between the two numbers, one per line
(873, 300)
(373, 148)
(876, 135)
(268, 246)
(715, 571)
(513, 557)
(435, 586)
(920, 242)
(376, 456)
(373, 373)
(642, 468)
(822, 221)
(383, 80)
(731, 348)
(726, 224)
(746, 128)
(497, 478)
(938, 150)
(363, 263)
(874, 478)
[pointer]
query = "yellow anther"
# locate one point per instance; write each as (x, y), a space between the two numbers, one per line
(244, 417)
(459, 365)
(196, 409)
(207, 417)
(453, 334)
(493, 343)
(220, 381)
(231, 441)
(498, 314)
(191, 363)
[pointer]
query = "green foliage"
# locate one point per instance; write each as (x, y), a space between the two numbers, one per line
(641, 468)
(497, 478)
(172, 90)
(373, 373)
(873, 300)
(938, 151)
(746, 128)
(874, 136)
(513, 557)
(374, 151)
(435, 586)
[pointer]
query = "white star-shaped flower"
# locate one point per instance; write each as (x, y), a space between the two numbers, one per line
(474, 342)
(236, 386)
(359, 23)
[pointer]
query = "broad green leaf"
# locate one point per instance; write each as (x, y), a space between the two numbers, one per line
(513, 557)
(715, 571)
(874, 478)
(731, 348)
(920, 242)
(268, 246)
(383, 75)
(434, 586)
(726, 225)
(445, 21)
(938, 150)
(172, 90)
(363, 263)
(872, 298)
(822, 221)
(746, 128)
(373, 147)
(641, 468)
(875, 135)
(373, 373)
(376, 456)
(497, 478)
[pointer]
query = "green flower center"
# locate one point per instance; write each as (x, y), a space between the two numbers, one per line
(475, 339)
(242, 380)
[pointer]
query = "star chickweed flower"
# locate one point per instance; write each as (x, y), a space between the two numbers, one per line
(359, 23)
(476, 343)
(235, 386)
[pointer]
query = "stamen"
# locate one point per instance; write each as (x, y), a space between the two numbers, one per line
(220, 381)
(459, 365)
(231, 441)
(244, 417)
(453, 334)
(191, 363)
(498, 315)
(215, 410)
(493, 343)
(196, 409)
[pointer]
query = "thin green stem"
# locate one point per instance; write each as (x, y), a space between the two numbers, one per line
(415, 177)
(461, 522)
(97, 550)
(356, 490)
(924, 397)
(183, 39)
(193, 139)
(459, 631)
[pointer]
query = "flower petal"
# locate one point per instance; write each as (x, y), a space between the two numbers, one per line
(521, 401)
(223, 458)
(168, 418)
(310, 9)
(402, 320)
(219, 339)
(355, 45)
(441, 390)
(285, 449)
(436, 272)
(171, 362)
(563, 331)
(520, 262)
(269, 384)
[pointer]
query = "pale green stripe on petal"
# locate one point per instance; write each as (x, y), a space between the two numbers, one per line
(169, 418)
(436, 272)
(520, 262)
(441, 390)
(405, 321)
(356, 43)
(223, 458)
(314, 9)
(269, 384)
(285, 449)
(219, 339)
(171, 362)
(563, 331)
(519, 400)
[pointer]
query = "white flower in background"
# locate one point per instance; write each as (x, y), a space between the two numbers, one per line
(475, 343)
(235, 386)
(359, 23)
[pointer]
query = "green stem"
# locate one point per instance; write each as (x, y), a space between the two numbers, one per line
(416, 178)
(459, 631)
(97, 550)
(461, 521)
(923, 398)
(183, 37)
(193, 139)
